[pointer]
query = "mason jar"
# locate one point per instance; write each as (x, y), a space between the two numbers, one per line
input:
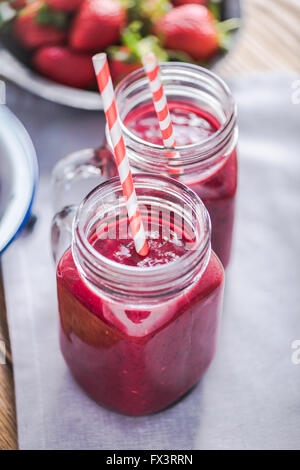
(203, 113)
(138, 332)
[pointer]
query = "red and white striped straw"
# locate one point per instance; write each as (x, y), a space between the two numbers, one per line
(112, 117)
(151, 67)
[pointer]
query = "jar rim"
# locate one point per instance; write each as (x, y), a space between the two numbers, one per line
(81, 247)
(228, 123)
(136, 269)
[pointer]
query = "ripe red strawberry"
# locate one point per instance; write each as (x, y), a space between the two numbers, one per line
(122, 63)
(65, 66)
(189, 29)
(18, 3)
(186, 2)
(97, 25)
(65, 5)
(33, 31)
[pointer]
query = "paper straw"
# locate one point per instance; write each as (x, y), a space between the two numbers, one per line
(112, 117)
(151, 67)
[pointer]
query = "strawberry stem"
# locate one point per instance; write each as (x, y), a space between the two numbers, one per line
(46, 16)
(215, 8)
(225, 28)
(139, 45)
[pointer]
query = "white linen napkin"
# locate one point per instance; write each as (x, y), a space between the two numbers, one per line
(249, 398)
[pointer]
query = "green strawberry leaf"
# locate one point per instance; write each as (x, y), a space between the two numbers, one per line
(225, 29)
(49, 17)
(132, 36)
(154, 9)
(118, 53)
(148, 11)
(151, 44)
(139, 45)
(179, 56)
(215, 7)
(127, 4)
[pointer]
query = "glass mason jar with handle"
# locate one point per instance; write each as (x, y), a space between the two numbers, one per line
(204, 119)
(138, 333)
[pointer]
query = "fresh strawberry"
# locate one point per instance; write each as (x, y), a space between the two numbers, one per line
(36, 26)
(97, 25)
(65, 5)
(186, 2)
(65, 66)
(122, 62)
(18, 4)
(189, 29)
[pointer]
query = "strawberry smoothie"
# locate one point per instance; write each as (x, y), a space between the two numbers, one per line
(204, 117)
(139, 352)
(132, 374)
(191, 126)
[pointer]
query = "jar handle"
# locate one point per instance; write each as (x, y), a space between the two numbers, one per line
(61, 231)
(73, 177)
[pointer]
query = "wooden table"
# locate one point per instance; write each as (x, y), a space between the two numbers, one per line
(8, 425)
(269, 40)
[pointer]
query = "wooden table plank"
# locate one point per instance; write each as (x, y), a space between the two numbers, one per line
(8, 425)
(269, 40)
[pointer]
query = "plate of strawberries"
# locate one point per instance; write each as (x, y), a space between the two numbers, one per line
(46, 45)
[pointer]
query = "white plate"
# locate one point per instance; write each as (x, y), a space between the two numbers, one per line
(18, 176)
(12, 69)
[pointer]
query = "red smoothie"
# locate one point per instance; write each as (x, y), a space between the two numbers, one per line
(137, 359)
(192, 126)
